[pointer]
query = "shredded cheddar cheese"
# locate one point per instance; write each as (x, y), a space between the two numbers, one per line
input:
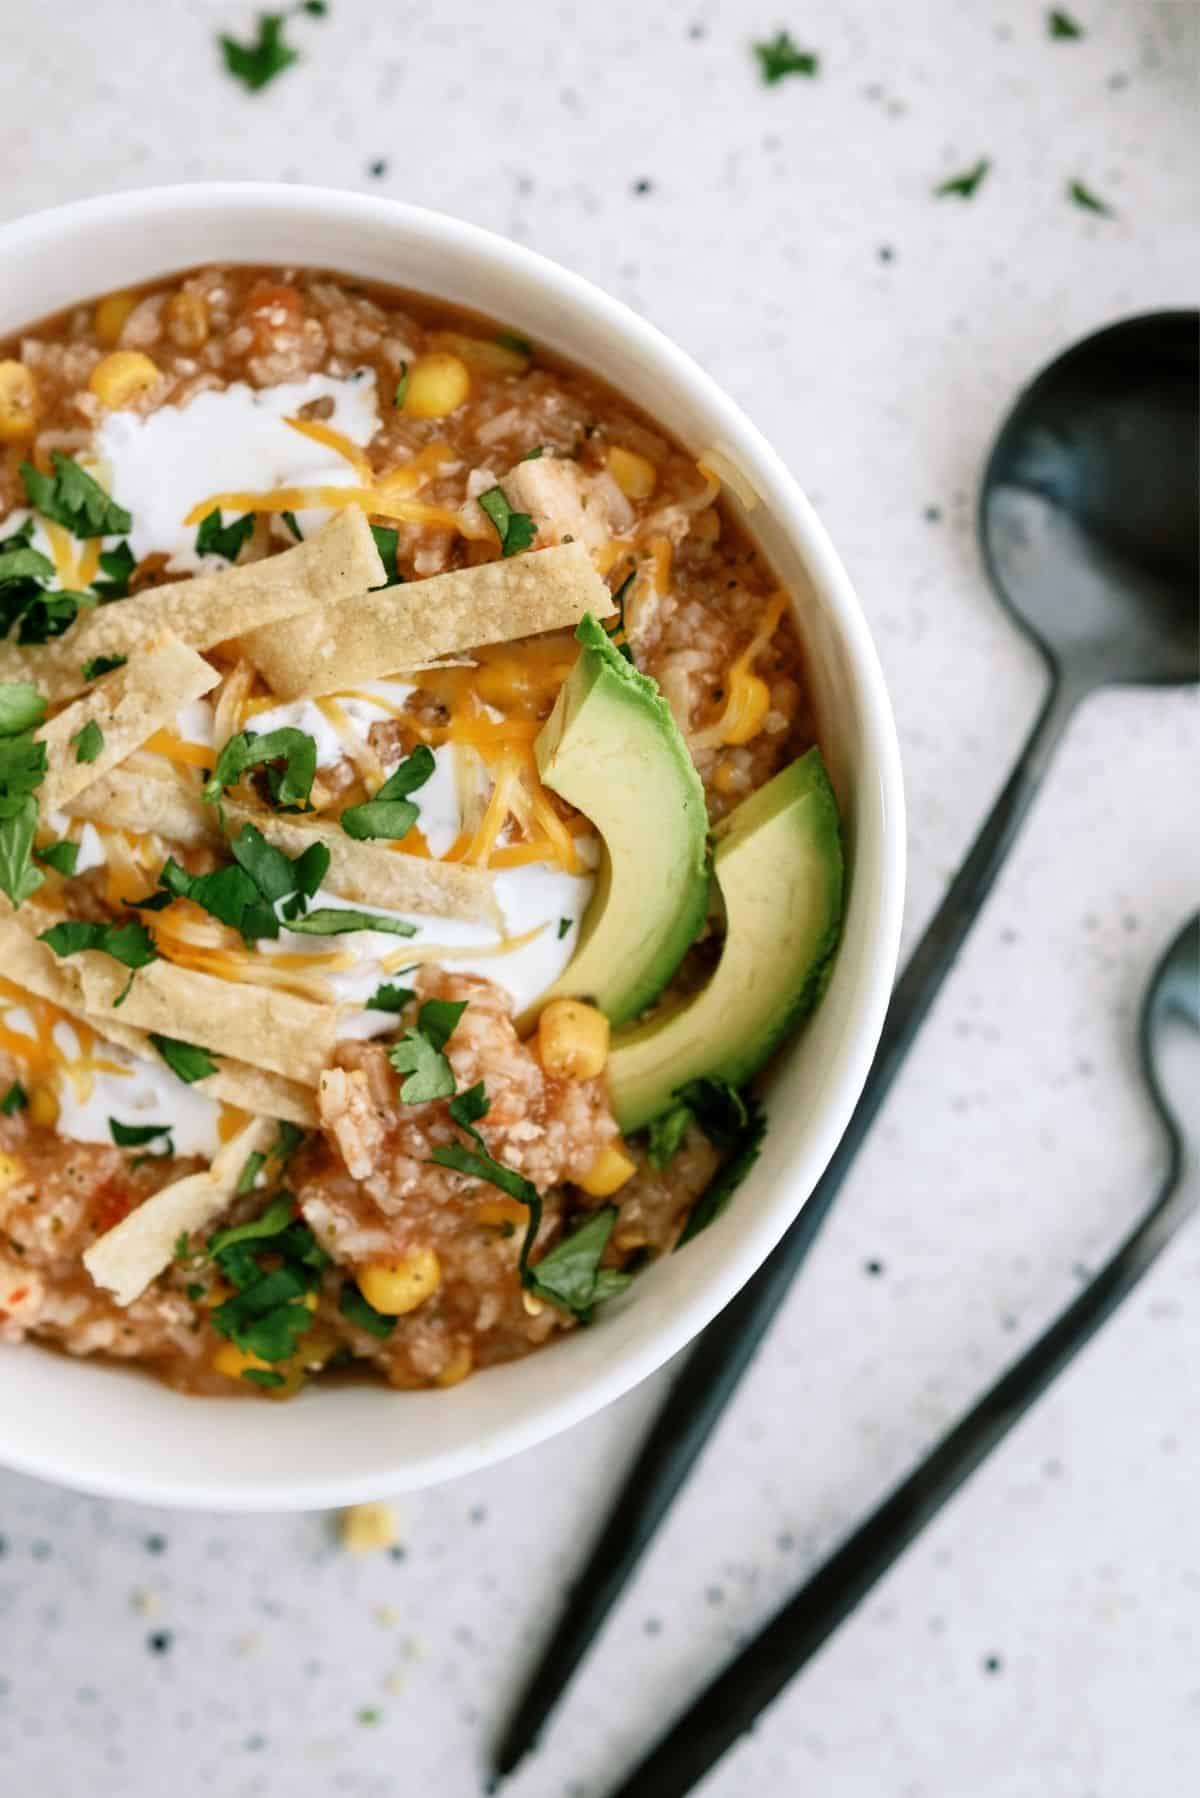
(747, 696)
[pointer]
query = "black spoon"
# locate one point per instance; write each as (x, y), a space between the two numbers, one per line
(736, 1698)
(1088, 523)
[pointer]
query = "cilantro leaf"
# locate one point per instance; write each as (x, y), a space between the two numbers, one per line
(136, 1136)
(570, 1275)
(294, 748)
(71, 497)
(15, 1099)
(130, 943)
(516, 530)
(118, 565)
(186, 1061)
(964, 186)
(326, 921)
(45, 616)
(617, 628)
(1090, 202)
(276, 875)
(266, 1377)
(62, 857)
(227, 894)
(20, 562)
(18, 876)
(21, 707)
(215, 539)
(362, 1314)
(781, 57)
(257, 63)
(251, 1168)
(271, 1222)
(289, 518)
(511, 340)
(88, 742)
(287, 1142)
(387, 539)
(401, 393)
(390, 813)
(666, 1134)
(99, 665)
(535, 454)
(438, 1019)
(1062, 25)
(268, 1317)
(389, 998)
(564, 925)
(430, 1075)
(718, 1109)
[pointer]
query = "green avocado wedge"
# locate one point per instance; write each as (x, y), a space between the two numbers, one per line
(778, 864)
(612, 749)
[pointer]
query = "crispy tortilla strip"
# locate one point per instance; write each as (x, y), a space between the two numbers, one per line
(261, 1025)
(404, 628)
(128, 706)
(340, 560)
(373, 875)
(139, 803)
(127, 1258)
(34, 966)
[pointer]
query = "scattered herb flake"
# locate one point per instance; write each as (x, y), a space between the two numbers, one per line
(294, 748)
(289, 518)
(734, 1123)
(516, 530)
(271, 1222)
(326, 921)
(387, 540)
(266, 1377)
(130, 943)
(964, 186)
(215, 539)
(117, 565)
(511, 340)
(390, 813)
(358, 1311)
(666, 1134)
(259, 62)
(564, 924)
(61, 856)
(390, 998)
(71, 497)
(99, 665)
(535, 454)
(1060, 24)
(186, 1061)
(136, 1136)
(401, 393)
(1090, 202)
(88, 742)
(251, 1168)
(15, 1099)
(781, 57)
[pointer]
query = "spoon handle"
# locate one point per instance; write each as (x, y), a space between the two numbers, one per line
(715, 1365)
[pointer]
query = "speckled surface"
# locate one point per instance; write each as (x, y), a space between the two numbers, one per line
(1041, 1641)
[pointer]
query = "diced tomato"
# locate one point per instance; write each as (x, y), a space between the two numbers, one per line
(112, 1202)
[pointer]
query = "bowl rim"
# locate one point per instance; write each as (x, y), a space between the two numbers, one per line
(881, 763)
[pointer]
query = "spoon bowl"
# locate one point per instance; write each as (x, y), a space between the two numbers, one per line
(1088, 514)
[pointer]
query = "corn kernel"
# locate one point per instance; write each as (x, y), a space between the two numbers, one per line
(43, 1107)
(492, 357)
(610, 1170)
(749, 702)
(364, 1529)
(457, 1368)
(121, 376)
(18, 402)
(11, 1170)
(573, 1039)
(394, 1287)
(232, 1361)
(635, 475)
(437, 385)
(111, 314)
(187, 319)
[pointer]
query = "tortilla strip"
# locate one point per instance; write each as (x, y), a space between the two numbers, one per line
(34, 966)
(144, 805)
(373, 875)
(128, 705)
(259, 1024)
(125, 1259)
(404, 628)
(340, 560)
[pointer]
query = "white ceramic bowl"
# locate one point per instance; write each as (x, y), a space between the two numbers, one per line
(114, 1431)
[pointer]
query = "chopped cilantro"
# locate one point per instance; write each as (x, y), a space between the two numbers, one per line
(419, 1053)
(737, 1125)
(1061, 25)
(479, 1164)
(386, 540)
(88, 742)
(277, 876)
(15, 1099)
(294, 748)
(509, 340)
(251, 1168)
(326, 921)
(256, 63)
(390, 813)
(363, 1315)
(781, 57)
(227, 894)
(564, 924)
(617, 629)
(215, 539)
(181, 1251)
(194, 1291)
(390, 998)
(20, 562)
(266, 1377)
(570, 1274)
(535, 454)
(18, 876)
(24, 600)
(186, 1061)
(99, 665)
(516, 530)
(267, 1316)
(401, 393)
(21, 707)
(316, 9)
(439, 1019)
(130, 943)
(136, 1136)
(71, 497)
(666, 1134)
(271, 1222)
(117, 565)
(289, 518)
(1090, 202)
(62, 857)
(287, 1142)
(965, 185)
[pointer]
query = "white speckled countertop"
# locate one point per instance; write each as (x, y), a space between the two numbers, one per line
(1042, 1639)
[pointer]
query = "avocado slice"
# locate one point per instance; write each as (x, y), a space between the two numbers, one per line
(613, 750)
(778, 864)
